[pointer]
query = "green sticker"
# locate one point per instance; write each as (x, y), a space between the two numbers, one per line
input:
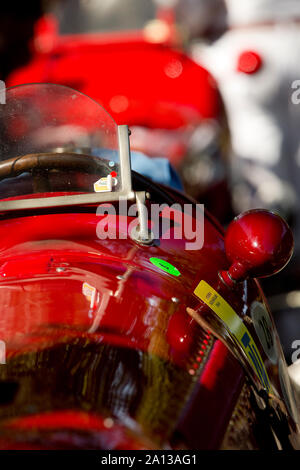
(165, 266)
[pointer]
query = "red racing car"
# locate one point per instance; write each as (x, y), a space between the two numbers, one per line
(128, 321)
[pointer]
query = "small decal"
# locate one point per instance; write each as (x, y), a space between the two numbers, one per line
(105, 185)
(165, 266)
(236, 327)
(264, 330)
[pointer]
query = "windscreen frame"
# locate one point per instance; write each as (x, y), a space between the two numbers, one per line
(88, 198)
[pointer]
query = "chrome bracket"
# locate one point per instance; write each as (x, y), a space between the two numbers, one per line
(141, 233)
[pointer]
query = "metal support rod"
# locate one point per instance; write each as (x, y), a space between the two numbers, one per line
(142, 215)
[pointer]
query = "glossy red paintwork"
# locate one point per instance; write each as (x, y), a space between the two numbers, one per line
(258, 243)
(45, 261)
(36, 247)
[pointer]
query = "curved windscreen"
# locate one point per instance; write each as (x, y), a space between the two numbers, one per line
(53, 140)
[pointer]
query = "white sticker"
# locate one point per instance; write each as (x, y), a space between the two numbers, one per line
(264, 330)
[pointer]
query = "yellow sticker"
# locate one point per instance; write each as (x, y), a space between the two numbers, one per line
(103, 185)
(236, 326)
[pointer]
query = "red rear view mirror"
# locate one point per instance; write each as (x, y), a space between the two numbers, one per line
(258, 243)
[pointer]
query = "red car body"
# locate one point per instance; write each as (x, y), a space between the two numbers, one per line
(131, 369)
(137, 80)
(103, 346)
